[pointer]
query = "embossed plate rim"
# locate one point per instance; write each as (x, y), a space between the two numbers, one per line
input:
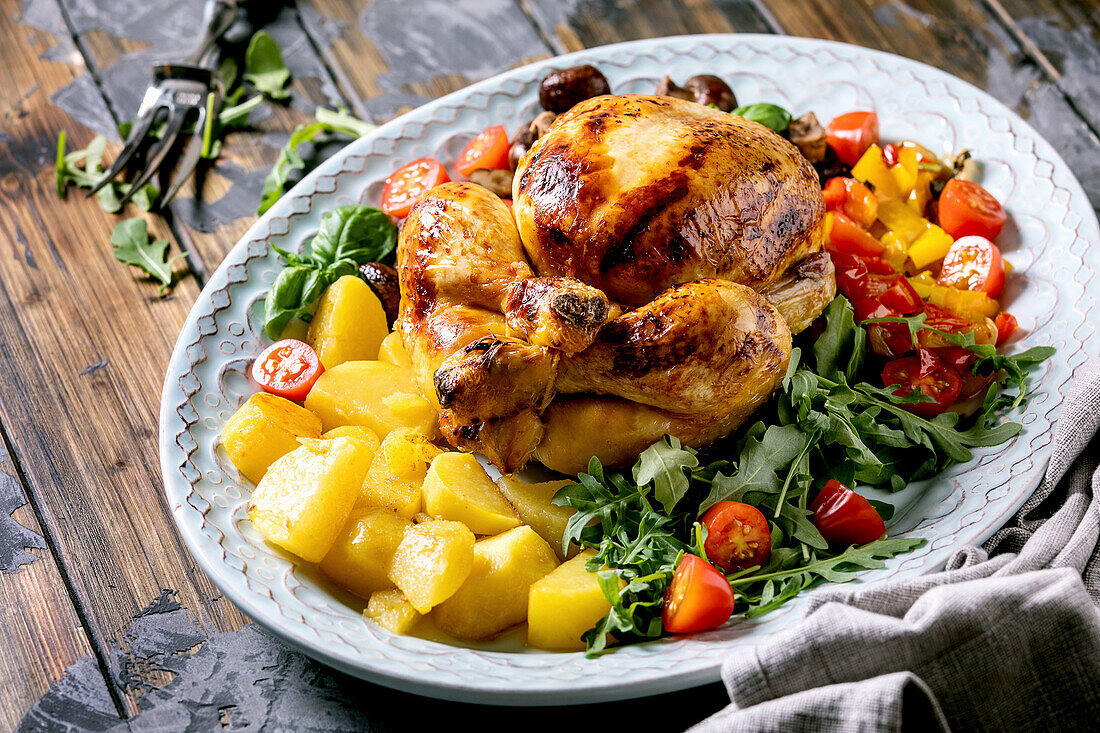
(485, 675)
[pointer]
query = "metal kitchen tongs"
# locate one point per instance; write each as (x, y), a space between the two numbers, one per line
(180, 89)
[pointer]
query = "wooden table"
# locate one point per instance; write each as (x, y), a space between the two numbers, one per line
(103, 613)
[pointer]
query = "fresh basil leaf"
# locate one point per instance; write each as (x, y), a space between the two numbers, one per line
(264, 67)
(356, 233)
(771, 116)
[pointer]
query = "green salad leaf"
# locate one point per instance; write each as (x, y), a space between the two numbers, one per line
(771, 116)
(291, 160)
(349, 236)
(264, 68)
(132, 247)
(830, 419)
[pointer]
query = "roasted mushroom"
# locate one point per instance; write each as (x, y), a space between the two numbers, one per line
(809, 136)
(383, 280)
(668, 88)
(526, 137)
(702, 88)
(498, 181)
(563, 88)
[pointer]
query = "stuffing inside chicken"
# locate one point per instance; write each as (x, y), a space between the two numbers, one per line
(660, 257)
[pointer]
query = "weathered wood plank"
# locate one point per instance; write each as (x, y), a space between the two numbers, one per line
(393, 60)
(578, 24)
(1063, 36)
(122, 48)
(40, 630)
(961, 37)
(83, 344)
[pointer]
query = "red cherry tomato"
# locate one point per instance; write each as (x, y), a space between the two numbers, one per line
(887, 339)
(850, 238)
(962, 359)
(974, 263)
(928, 373)
(409, 183)
(738, 536)
(850, 134)
(843, 517)
(699, 598)
(853, 199)
(944, 320)
(486, 151)
(901, 297)
(1006, 326)
(966, 208)
(287, 368)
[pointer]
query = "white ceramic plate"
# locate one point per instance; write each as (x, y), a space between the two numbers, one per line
(1052, 241)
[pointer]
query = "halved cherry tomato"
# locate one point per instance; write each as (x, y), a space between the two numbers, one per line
(843, 517)
(406, 185)
(738, 536)
(974, 263)
(901, 297)
(486, 151)
(850, 134)
(850, 238)
(288, 368)
(1006, 326)
(966, 208)
(887, 339)
(699, 598)
(962, 359)
(928, 373)
(851, 198)
(944, 320)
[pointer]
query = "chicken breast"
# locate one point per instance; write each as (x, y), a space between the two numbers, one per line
(634, 194)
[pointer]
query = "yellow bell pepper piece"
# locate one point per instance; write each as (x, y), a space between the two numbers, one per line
(929, 247)
(902, 220)
(905, 171)
(921, 193)
(872, 169)
(969, 304)
(896, 251)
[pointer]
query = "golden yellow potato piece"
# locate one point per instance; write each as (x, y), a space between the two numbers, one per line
(391, 610)
(304, 499)
(533, 503)
(361, 555)
(356, 392)
(397, 472)
(392, 351)
(563, 605)
(356, 432)
(265, 429)
(494, 597)
(349, 324)
(432, 561)
(458, 488)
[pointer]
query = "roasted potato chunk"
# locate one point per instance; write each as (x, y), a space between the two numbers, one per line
(535, 507)
(432, 562)
(264, 429)
(563, 605)
(379, 396)
(391, 610)
(457, 488)
(494, 596)
(361, 555)
(349, 324)
(304, 499)
(396, 474)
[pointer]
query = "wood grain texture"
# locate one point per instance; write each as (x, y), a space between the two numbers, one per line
(1063, 36)
(83, 344)
(964, 38)
(393, 60)
(571, 25)
(40, 631)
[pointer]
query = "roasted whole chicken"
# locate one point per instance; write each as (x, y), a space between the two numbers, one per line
(660, 256)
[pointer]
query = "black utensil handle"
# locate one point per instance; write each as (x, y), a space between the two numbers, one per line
(218, 15)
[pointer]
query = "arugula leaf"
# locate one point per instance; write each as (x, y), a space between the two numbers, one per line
(68, 169)
(761, 458)
(291, 161)
(666, 465)
(264, 68)
(132, 247)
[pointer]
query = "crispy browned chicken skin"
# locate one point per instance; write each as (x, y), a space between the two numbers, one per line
(665, 253)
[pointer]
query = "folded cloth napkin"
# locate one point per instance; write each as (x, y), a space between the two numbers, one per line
(1006, 638)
